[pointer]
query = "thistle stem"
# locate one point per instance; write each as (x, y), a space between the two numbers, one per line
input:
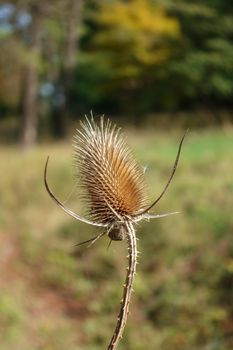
(128, 287)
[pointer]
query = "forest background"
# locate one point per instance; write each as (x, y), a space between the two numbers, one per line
(156, 67)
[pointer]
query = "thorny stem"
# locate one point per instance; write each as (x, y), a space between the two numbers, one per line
(128, 287)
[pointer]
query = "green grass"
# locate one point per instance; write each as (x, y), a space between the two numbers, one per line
(54, 296)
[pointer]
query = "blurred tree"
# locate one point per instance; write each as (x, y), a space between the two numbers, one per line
(49, 38)
(129, 57)
(135, 35)
(72, 18)
(10, 77)
(203, 69)
(142, 55)
(131, 40)
(29, 124)
(68, 14)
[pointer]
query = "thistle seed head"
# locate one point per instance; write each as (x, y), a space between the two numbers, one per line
(112, 180)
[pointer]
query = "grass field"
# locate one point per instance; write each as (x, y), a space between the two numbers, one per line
(54, 296)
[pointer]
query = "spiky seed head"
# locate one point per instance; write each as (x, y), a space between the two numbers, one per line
(111, 178)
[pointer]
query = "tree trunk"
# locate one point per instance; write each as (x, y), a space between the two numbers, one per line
(61, 113)
(29, 122)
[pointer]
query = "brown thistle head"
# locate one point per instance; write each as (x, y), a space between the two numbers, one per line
(113, 182)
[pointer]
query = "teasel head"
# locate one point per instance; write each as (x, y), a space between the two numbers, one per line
(112, 181)
(114, 192)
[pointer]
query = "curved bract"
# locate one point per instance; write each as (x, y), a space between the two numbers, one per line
(68, 211)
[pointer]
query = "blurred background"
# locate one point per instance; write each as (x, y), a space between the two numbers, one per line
(155, 67)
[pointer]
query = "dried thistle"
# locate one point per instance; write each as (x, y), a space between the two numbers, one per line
(114, 191)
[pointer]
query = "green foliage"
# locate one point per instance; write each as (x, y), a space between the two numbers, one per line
(204, 67)
(141, 55)
(130, 42)
(134, 57)
(133, 36)
(55, 295)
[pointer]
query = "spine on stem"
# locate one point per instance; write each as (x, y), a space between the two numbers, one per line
(128, 287)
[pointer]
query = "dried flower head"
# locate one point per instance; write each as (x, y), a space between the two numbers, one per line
(114, 192)
(108, 172)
